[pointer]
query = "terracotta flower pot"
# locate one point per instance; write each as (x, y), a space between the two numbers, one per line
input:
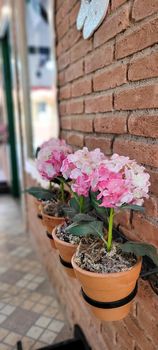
(39, 207)
(109, 295)
(50, 222)
(66, 251)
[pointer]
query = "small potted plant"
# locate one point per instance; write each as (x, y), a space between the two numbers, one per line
(108, 271)
(50, 201)
(78, 167)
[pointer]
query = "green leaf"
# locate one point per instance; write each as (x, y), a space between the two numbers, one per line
(101, 211)
(133, 207)
(74, 204)
(40, 193)
(141, 249)
(69, 211)
(87, 205)
(83, 217)
(85, 229)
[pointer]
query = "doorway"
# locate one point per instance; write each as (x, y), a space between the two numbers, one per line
(8, 100)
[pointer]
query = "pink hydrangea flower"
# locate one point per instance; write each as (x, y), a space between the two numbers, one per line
(79, 167)
(50, 158)
(81, 185)
(119, 181)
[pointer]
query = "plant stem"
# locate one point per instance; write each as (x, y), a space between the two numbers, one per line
(81, 204)
(109, 244)
(62, 191)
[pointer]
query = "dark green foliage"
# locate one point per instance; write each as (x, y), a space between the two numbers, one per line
(141, 249)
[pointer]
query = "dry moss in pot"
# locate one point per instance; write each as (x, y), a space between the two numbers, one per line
(66, 245)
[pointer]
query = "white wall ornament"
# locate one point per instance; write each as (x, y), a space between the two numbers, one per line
(91, 15)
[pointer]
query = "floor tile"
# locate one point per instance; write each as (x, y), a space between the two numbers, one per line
(34, 332)
(8, 310)
(2, 318)
(12, 338)
(20, 321)
(29, 310)
(11, 276)
(48, 337)
(43, 321)
(27, 343)
(56, 326)
(39, 308)
(3, 333)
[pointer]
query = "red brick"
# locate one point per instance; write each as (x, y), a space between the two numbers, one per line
(138, 334)
(58, 3)
(149, 325)
(125, 340)
(123, 218)
(147, 231)
(80, 49)
(110, 78)
(74, 71)
(146, 296)
(144, 8)
(101, 103)
(112, 25)
(75, 140)
(82, 86)
(62, 108)
(137, 98)
(142, 151)
(129, 233)
(143, 36)
(144, 67)
(63, 28)
(63, 60)
(116, 3)
(154, 181)
(74, 106)
(73, 14)
(143, 125)
(99, 58)
(104, 143)
(73, 36)
(111, 123)
(63, 10)
(69, 39)
(65, 92)
(66, 123)
(61, 78)
(59, 49)
(151, 206)
(84, 123)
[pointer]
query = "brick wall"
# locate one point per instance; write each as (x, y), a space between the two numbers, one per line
(108, 92)
(108, 95)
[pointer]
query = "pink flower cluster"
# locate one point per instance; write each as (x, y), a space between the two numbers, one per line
(79, 167)
(50, 158)
(119, 181)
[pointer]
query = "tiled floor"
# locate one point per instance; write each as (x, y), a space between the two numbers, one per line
(28, 308)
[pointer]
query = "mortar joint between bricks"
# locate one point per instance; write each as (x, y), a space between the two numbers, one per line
(127, 121)
(112, 143)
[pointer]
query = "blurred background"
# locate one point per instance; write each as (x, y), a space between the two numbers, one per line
(28, 109)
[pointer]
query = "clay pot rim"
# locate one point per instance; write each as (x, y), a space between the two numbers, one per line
(105, 275)
(66, 244)
(53, 217)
